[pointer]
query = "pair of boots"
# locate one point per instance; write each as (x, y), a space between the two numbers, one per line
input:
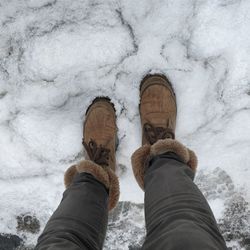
(158, 112)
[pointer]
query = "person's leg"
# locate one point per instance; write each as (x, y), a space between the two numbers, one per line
(80, 221)
(92, 187)
(177, 215)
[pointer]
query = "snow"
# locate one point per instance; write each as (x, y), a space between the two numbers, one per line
(86, 48)
(56, 56)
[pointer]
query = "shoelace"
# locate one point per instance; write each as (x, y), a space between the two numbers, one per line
(153, 134)
(97, 154)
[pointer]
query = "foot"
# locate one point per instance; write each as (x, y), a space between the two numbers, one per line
(158, 109)
(100, 133)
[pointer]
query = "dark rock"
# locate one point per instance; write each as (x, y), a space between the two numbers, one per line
(25, 248)
(9, 241)
(28, 223)
(234, 224)
(246, 243)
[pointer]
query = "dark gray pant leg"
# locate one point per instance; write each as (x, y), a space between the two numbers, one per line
(80, 221)
(177, 214)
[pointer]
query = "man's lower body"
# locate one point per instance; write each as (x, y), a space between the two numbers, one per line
(177, 214)
(80, 221)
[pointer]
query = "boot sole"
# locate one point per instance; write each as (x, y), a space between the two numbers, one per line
(106, 99)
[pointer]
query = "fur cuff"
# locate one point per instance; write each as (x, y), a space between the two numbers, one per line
(107, 177)
(140, 156)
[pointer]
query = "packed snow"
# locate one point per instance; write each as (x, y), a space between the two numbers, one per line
(56, 56)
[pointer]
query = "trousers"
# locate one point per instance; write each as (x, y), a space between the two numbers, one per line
(177, 214)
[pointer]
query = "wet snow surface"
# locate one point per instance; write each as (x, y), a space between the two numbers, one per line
(57, 55)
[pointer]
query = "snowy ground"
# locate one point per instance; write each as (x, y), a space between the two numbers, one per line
(57, 55)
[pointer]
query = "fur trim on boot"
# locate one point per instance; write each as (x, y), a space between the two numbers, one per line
(105, 176)
(140, 157)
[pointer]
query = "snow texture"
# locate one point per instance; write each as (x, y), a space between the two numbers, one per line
(56, 56)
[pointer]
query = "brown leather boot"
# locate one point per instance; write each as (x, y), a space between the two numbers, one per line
(99, 140)
(157, 109)
(158, 119)
(100, 133)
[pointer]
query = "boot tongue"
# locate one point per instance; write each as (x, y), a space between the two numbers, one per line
(97, 154)
(153, 134)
